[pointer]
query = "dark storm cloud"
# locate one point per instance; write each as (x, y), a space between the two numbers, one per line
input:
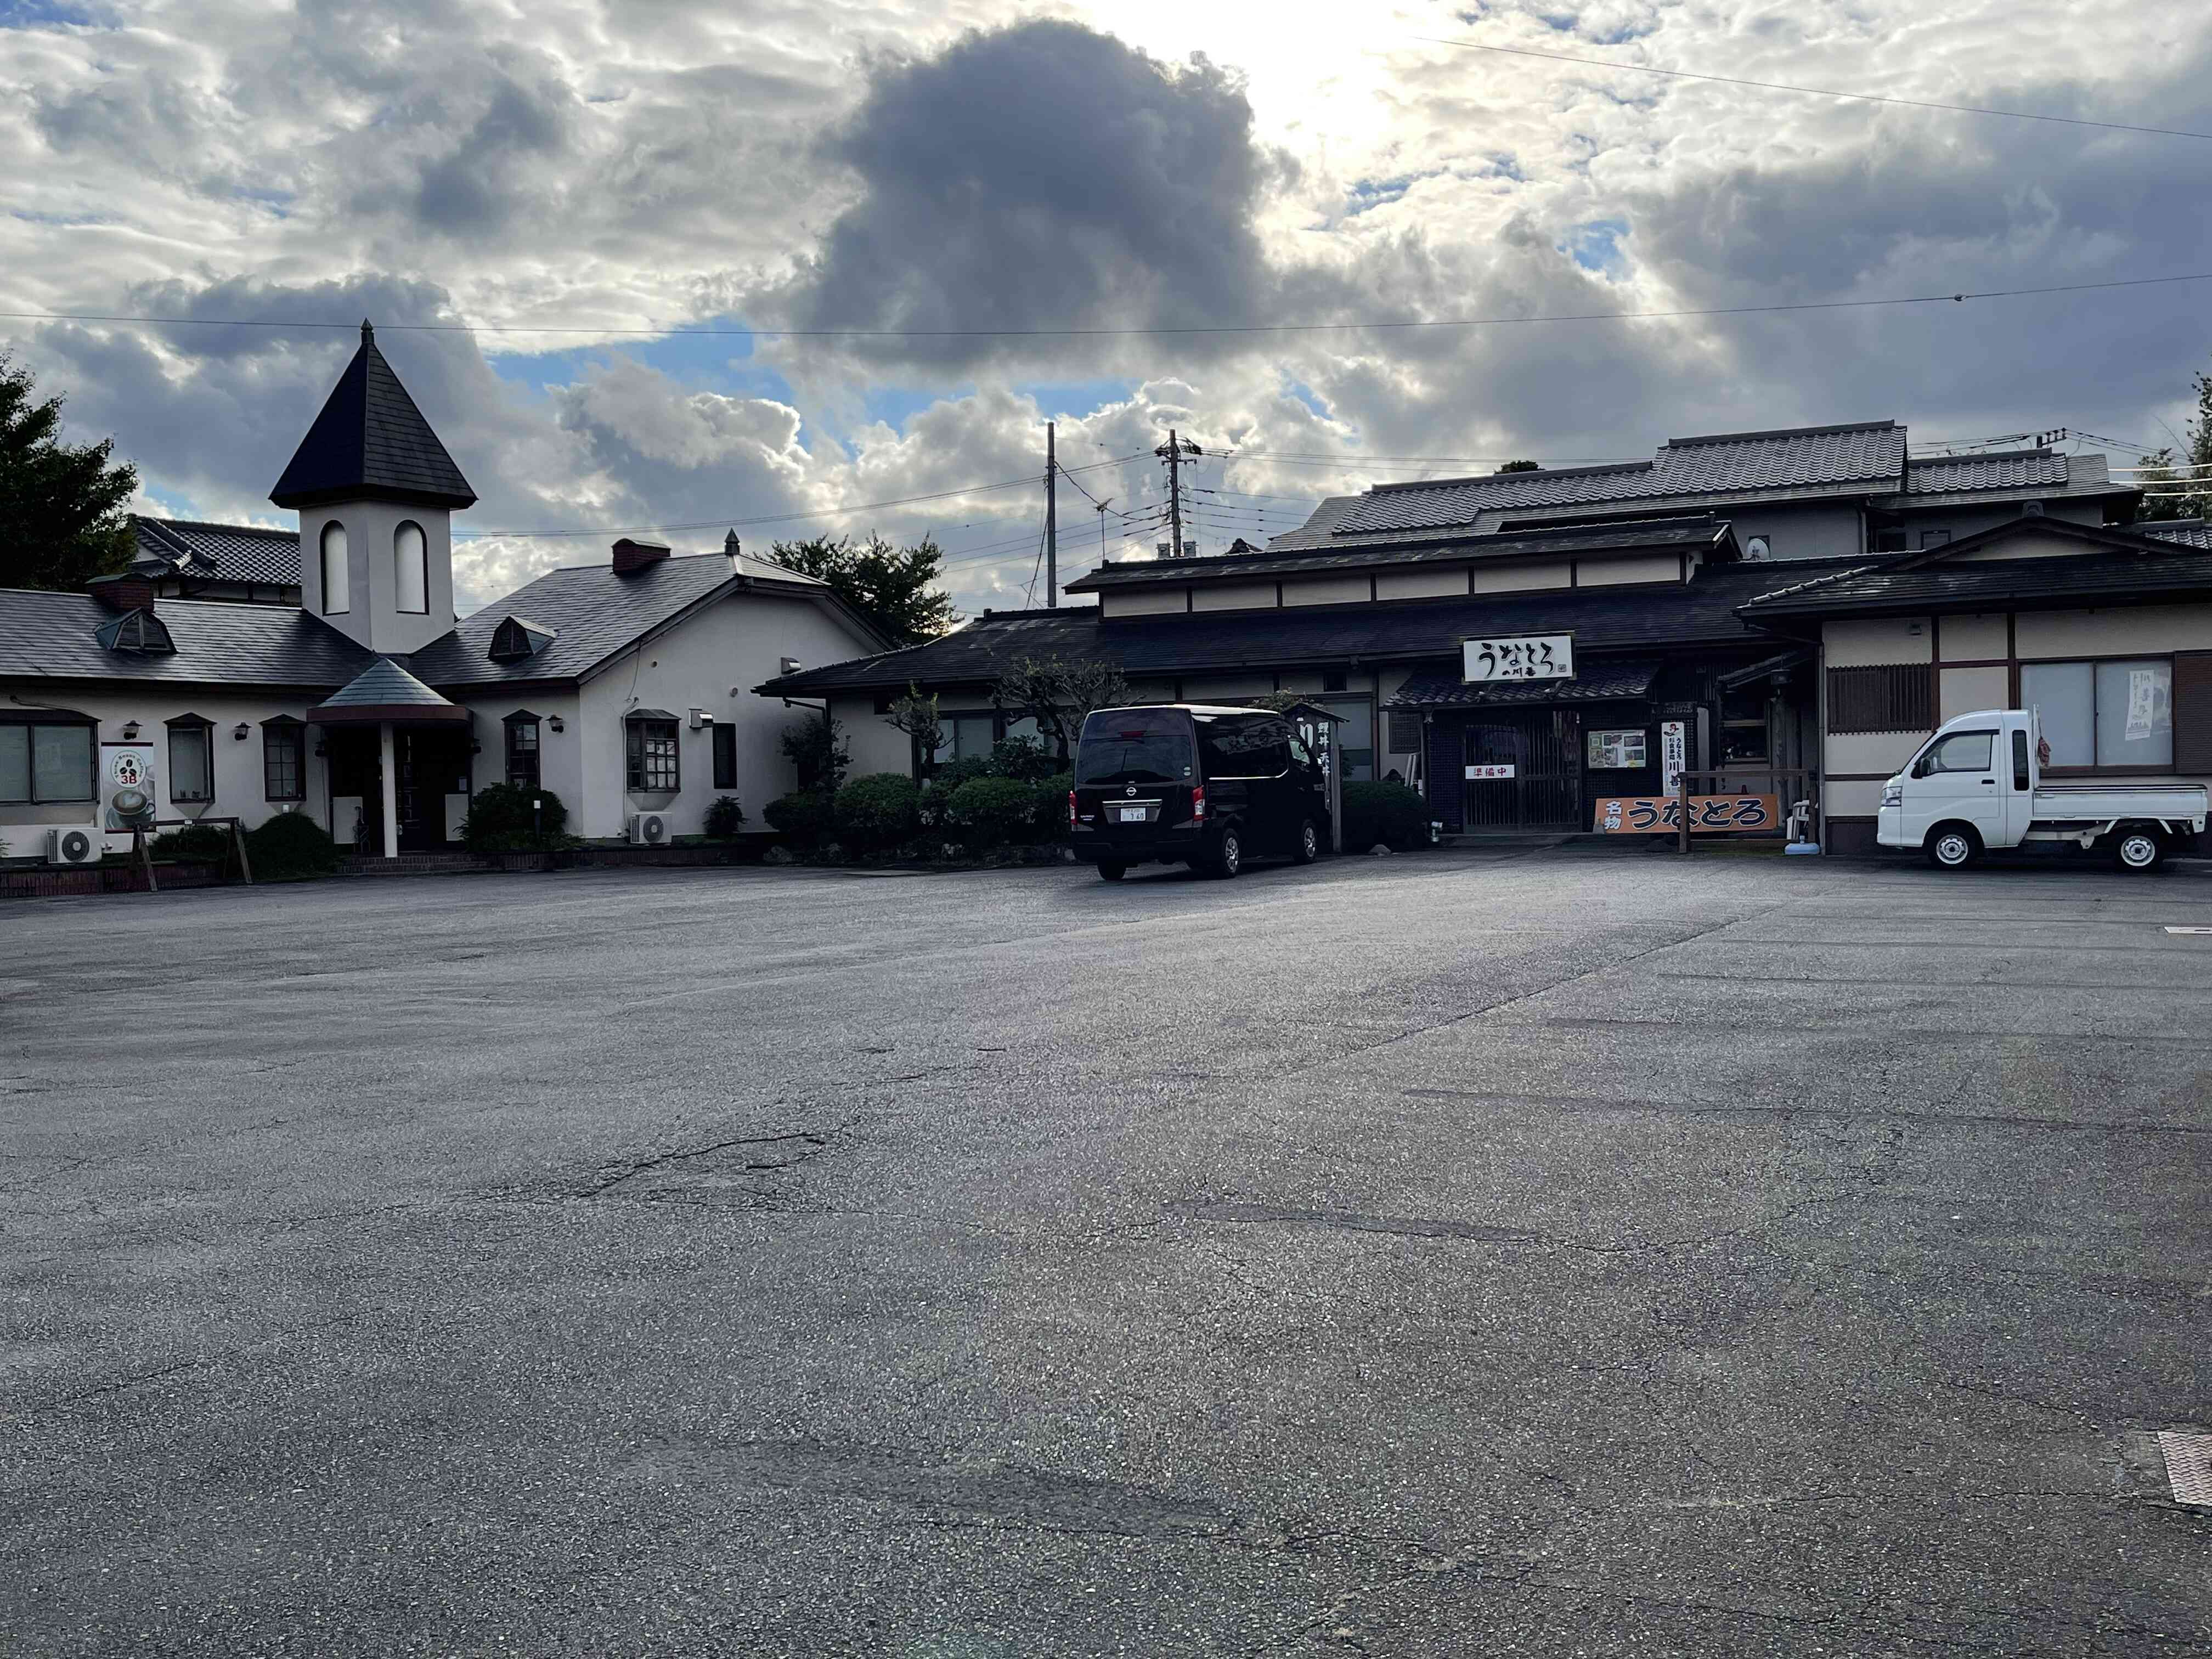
(1040, 176)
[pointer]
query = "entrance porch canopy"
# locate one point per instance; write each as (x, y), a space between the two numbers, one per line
(384, 693)
(1599, 682)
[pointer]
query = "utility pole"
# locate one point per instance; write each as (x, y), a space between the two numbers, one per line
(1102, 506)
(1172, 452)
(1052, 521)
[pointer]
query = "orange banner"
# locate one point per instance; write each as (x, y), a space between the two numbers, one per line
(1641, 815)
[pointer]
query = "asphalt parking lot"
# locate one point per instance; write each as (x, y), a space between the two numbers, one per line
(1457, 1253)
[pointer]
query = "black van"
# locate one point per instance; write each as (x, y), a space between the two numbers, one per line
(1185, 783)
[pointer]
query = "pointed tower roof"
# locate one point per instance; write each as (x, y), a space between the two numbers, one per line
(370, 441)
(384, 691)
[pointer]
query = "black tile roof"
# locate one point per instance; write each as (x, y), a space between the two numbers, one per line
(53, 636)
(385, 683)
(1593, 682)
(1702, 610)
(370, 439)
(2188, 532)
(591, 613)
(222, 552)
(1693, 531)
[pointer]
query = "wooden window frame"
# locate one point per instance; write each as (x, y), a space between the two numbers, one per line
(283, 726)
(30, 728)
(206, 729)
(2098, 769)
(522, 720)
(642, 765)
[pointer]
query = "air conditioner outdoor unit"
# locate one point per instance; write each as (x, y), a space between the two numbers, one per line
(648, 829)
(72, 845)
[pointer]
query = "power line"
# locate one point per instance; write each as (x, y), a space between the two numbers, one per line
(1811, 92)
(1683, 313)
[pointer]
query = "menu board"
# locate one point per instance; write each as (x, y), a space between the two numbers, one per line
(1617, 750)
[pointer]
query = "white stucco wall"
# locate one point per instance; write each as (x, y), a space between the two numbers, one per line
(1818, 531)
(1326, 590)
(1234, 596)
(2115, 632)
(1422, 584)
(1620, 572)
(876, 746)
(373, 618)
(1144, 601)
(1962, 690)
(1877, 639)
(1966, 639)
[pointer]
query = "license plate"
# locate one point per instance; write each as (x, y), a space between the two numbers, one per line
(1130, 814)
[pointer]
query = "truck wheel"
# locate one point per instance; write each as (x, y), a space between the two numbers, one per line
(2138, 850)
(1112, 871)
(1228, 858)
(1952, 847)
(1309, 846)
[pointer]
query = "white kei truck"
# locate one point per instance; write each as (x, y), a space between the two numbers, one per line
(1976, 785)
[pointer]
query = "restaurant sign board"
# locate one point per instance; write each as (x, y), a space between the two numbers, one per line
(1638, 815)
(1521, 657)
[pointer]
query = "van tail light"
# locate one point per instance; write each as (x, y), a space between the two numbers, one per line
(1070, 809)
(1198, 802)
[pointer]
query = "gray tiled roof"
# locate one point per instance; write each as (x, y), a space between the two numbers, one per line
(1942, 475)
(222, 552)
(2189, 532)
(592, 613)
(385, 685)
(51, 636)
(1601, 618)
(370, 437)
(1688, 532)
(1436, 688)
(1869, 454)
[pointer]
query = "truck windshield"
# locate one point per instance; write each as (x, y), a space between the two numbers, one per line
(1134, 745)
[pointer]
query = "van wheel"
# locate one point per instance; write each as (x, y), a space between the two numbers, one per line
(1309, 846)
(2138, 850)
(1952, 847)
(1228, 858)
(1112, 871)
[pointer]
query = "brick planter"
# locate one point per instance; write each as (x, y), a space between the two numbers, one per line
(41, 882)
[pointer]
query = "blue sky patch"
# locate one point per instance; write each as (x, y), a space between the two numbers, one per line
(1596, 245)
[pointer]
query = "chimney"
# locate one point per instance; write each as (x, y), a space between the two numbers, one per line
(632, 555)
(131, 591)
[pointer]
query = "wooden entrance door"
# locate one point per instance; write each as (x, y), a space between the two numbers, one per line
(434, 762)
(1545, 790)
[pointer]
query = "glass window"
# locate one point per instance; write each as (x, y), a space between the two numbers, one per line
(1743, 725)
(726, 756)
(2135, 714)
(1025, 726)
(1355, 738)
(652, 757)
(192, 772)
(1243, 745)
(281, 766)
(1934, 537)
(966, 737)
(1962, 751)
(2063, 697)
(522, 751)
(410, 574)
(14, 763)
(337, 580)
(1134, 745)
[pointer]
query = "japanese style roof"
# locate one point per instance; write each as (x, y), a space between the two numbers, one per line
(57, 636)
(221, 552)
(1599, 682)
(384, 691)
(1702, 610)
(2114, 566)
(2188, 532)
(2002, 476)
(370, 440)
(1702, 532)
(591, 612)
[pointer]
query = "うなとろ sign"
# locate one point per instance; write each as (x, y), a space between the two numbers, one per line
(1528, 657)
(1631, 815)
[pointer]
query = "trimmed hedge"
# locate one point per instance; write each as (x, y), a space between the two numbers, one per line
(502, 820)
(878, 812)
(991, 811)
(290, 846)
(1388, 812)
(198, 843)
(805, 819)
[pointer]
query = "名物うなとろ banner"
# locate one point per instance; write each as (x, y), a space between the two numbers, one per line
(1631, 815)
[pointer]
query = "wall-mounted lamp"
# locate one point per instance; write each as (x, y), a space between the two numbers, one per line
(241, 730)
(790, 664)
(130, 731)
(321, 749)
(556, 724)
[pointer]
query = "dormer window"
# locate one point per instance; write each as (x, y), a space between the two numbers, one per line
(337, 577)
(515, 639)
(410, 572)
(140, 633)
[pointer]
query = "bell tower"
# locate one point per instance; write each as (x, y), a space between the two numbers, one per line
(376, 492)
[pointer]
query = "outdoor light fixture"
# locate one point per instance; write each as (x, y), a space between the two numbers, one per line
(241, 730)
(130, 730)
(556, 724)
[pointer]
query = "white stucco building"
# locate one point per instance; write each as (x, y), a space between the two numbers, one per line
(622, 687)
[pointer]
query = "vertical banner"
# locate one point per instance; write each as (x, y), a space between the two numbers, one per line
(1674, 755)
(126, 785)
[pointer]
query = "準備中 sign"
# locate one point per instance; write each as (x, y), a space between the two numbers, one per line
(1493, 770)
(1522, 657)
(1630, 815)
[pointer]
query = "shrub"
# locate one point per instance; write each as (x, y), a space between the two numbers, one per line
(992, 811)
(1388, 812)
(726, 819)
(880, 810)
(198, 842)
(1024, 759)
(1052, 807)
(805, 819)
(502, 819)
(289, 846)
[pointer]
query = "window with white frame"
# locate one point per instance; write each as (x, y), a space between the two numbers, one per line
(410, 569)
(2115, 714)
(192, 759)
(338, 579)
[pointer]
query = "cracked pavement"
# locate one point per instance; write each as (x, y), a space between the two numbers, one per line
(1465, 1254)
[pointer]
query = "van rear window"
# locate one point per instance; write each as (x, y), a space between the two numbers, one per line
(1134, 745)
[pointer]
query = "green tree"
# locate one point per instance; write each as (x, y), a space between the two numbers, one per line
(893, 588)
(62, 521)
(1060, 692)
(1520, 466)
(2179, 486)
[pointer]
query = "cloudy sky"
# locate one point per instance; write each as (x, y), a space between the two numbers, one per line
(591, 175)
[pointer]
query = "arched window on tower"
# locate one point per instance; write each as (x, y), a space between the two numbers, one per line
(337, 581)
(411, 558)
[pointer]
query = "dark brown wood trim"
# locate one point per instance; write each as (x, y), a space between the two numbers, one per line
(1979, 662)
(1853, 777)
